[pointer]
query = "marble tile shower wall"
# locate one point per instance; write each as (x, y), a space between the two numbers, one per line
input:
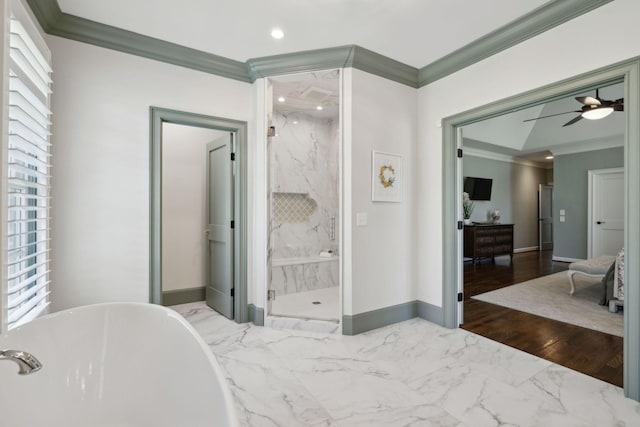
(288, 279)
(303, 163)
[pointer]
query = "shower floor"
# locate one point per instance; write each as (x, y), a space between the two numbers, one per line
(301, 304)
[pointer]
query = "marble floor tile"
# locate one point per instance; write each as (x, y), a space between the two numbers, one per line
(423, 416)
(567, 391)
(413, 373)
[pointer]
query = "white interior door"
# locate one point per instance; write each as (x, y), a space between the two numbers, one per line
(219, 292)
(606, 212)
(545, 217)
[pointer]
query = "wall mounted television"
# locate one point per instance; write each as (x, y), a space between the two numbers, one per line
(478, 188)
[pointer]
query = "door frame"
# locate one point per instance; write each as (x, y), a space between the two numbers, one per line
(590, 199)
(158, 116)
(626, 71)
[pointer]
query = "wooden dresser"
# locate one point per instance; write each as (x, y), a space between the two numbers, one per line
(488, 240)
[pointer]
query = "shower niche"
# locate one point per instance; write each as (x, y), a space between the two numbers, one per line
(303, 154)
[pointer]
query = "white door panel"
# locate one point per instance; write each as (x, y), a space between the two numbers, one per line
(606, 212)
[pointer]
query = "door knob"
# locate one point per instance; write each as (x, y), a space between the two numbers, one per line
(599, 222)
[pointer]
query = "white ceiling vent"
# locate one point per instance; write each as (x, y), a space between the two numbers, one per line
(316, 94)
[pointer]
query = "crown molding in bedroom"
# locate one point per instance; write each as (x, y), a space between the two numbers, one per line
(56, 22)
(613, 141)
(545, 17)
(491, 155)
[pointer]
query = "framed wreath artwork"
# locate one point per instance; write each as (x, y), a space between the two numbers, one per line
(386, 177)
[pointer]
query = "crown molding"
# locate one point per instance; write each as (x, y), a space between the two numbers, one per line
(48, 13)
(55, 22)
(380, 65)
(299, 62)
(336, 57)
(491, 155)
(58, 23)
(613, 141)
(545, 17)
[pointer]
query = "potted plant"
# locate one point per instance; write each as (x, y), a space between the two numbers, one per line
(467, 208)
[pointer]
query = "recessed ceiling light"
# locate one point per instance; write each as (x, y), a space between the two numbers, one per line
(277, 33)
(319, 108)
(549, 157)
(295, 122)
(281, 99)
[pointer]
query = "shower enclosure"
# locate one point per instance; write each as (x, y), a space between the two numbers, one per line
(304, 203)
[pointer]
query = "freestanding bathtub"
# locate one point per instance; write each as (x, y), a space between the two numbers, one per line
(114, 365)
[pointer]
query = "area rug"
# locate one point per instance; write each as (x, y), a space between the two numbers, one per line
(548, 296)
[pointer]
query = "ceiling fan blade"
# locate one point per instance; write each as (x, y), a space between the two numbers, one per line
(618, 104)
(572, 121)
(588, 100)
(552, 115)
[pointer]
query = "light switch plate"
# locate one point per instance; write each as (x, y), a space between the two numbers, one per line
(562, 212)
(562, 218)
(361, 219)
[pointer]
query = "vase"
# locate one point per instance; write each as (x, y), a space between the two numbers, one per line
(467, 221)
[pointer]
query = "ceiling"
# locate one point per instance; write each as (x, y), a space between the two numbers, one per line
(510, 135)
(414, 32)
(305, 93)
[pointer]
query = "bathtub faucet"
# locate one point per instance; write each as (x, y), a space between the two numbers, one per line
(26, 361)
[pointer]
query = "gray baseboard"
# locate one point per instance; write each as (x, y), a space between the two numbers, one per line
(363, 322)
(183, 296)
(430, 313)
(256, 315)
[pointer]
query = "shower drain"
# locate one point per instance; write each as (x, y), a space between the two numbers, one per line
(316, 302)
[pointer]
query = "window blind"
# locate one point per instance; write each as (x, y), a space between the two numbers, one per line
(28, 180)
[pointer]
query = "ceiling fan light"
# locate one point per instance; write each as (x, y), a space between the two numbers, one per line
(597, 113)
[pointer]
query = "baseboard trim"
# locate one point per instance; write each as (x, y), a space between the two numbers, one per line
(256, 315)
(430, 313)
(564, 259)
(363, 322)
(529, 249)
(183, 296)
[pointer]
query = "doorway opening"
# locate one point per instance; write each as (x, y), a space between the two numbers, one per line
(184, 211)
(303, 170)
(232, 130)
(626, 72)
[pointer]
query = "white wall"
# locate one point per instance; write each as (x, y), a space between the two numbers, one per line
(383, 117)
(547, 58)
(101, 163)
(184, 200)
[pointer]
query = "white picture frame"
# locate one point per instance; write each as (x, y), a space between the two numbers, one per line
(386, 177)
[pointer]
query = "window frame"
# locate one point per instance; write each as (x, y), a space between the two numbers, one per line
(16, 9)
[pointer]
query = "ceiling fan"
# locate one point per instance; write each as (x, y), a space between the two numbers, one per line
(592, 109)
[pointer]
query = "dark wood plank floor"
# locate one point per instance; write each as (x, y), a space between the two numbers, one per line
(593, 353)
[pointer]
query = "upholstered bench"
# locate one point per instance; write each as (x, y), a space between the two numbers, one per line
(594, 267)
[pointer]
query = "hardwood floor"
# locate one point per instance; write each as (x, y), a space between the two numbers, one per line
(593, 353)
